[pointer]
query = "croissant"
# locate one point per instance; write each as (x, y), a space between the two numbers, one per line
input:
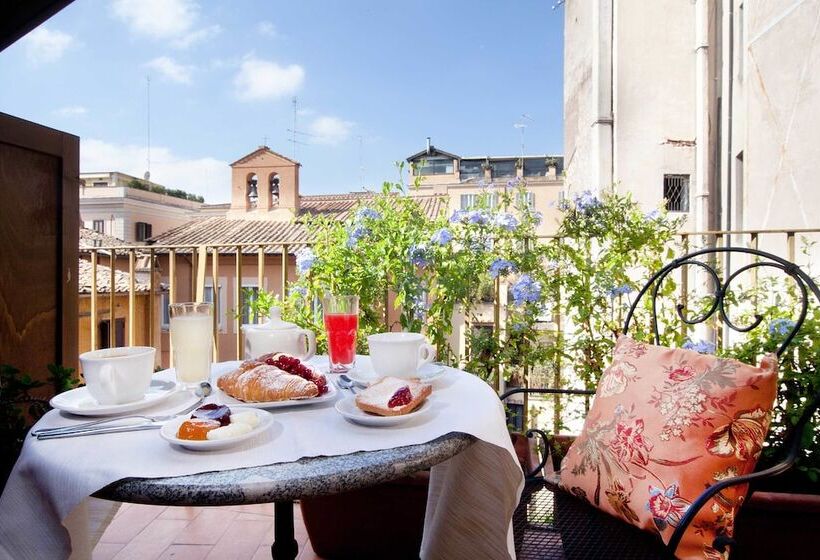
(266, 383)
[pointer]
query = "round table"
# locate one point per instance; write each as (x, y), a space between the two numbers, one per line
(282, 483)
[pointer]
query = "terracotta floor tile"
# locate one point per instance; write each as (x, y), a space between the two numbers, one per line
(188, 513)
(153, 540)
(130, 523)
(262, 553)
(254, 517)
(208, 527)
(259, 509)
(186, 552)
(106, 551)
(306, 553)
(240, 541)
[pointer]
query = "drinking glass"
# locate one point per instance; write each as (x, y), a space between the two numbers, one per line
(191, 341)
(341, 313)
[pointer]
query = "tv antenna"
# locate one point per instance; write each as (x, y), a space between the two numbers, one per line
(147, 175)
(522, 126)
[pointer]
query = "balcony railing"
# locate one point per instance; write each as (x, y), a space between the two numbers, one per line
(189, 269)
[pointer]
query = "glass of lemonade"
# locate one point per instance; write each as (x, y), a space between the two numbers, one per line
(191, 341)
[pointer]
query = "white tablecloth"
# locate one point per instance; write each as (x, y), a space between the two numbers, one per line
(470, 504)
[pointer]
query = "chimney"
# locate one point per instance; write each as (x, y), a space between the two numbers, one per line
(428, 146)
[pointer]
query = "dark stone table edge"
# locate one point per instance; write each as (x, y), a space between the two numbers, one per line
(303, 478)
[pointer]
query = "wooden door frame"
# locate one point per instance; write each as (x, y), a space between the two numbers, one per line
(66, 148)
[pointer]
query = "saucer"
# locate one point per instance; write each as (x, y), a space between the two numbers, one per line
(170, 429)
(80, 402)
(365, 374)
(352, 413)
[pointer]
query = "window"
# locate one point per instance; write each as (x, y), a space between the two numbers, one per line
(504, 168)
(164, 302)
(100, 184)
(468, 201)
(98, 226)
(104, 333)
(525, 199)
(143, 231)
(249, 295)
(676, 192)
(435, 166)
(471, 169)
(535, 167)
(208, 297)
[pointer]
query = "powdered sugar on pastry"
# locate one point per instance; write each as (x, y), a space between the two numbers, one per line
(376, 399)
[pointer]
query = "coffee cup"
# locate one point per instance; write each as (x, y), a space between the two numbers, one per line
(399, 354)
(118, 375)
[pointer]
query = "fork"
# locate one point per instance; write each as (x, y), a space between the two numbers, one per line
(98, 424)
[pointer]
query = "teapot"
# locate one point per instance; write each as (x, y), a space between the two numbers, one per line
(277, 335)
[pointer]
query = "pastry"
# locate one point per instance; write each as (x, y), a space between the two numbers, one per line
(266, 383)
(233, 429)
(392, 396)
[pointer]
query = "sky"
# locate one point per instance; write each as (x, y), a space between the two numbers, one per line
(372, 80)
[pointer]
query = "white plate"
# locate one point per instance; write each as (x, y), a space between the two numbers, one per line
(224, 398)
(351, 412)
(170, 429)
(365, 374)
(80, 402)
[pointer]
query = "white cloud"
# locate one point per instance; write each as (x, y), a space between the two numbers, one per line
(173, 20)
(207, 176)
(266, 28)
(330, 130)
(44, 45)
(171, 69)
(259, 79)
(71, 111)
(197, 36)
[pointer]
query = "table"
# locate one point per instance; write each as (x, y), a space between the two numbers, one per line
(281, 483)
(309, 452)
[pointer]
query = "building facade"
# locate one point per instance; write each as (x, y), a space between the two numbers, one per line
(462, 179)
(707, 107)
(130, 209)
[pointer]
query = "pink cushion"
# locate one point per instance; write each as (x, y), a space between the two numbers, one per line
(665, 424)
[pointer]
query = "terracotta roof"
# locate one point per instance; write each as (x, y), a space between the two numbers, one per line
(219, 230)
(90, 239)
(121, 280)
(263, 150)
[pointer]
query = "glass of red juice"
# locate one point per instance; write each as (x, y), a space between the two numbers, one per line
(341, 314)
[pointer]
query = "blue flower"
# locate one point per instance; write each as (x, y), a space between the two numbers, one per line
(506, 220)
(518, 327)
(441, 237)
(653, 215)
(301, 290)
(305, 259)
(702, 346)
(781, 327)
(501, 266)
(537, 218)
(586, 201)
(419, 306)
(478, 217)
(526, 290)
(357, 233)
(458, 216)
(367, 213)
(418, 254)
(619, 291)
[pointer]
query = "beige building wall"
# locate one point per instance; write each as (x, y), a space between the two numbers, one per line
(265, 164)
(727, 91)
(121, 207)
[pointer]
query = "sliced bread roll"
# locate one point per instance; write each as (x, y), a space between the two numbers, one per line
(376, 399)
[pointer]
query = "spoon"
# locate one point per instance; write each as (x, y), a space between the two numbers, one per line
(346, 383)
(203, 390)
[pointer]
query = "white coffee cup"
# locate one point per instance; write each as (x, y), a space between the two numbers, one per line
(118, 375)
(399, 354)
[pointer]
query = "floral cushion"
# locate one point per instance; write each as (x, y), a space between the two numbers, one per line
(665, 424)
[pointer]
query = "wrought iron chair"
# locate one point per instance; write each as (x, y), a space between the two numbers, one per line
(551, 523)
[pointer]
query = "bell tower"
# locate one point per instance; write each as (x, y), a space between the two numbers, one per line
(264, 186)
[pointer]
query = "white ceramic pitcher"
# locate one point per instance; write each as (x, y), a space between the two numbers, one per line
(277, 335)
